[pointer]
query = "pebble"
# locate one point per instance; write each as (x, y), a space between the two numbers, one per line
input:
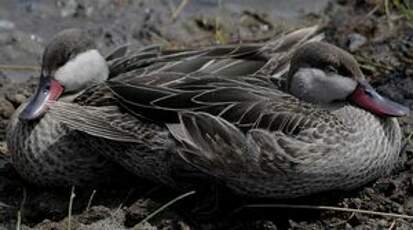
(403, 225)
(6, 108)
(6, 38)
(265, 225)
(382, 223)
(74, 8)
(94, 214)
(348, 226)
(6, 25)
(16, 99)
(409, 205)
(3, 154)
(3, 79)
(138, 211)
(69, 8)
(355, 41)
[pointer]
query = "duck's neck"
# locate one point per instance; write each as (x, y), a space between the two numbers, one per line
(363, 119)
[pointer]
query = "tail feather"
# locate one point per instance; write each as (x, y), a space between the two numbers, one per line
(217, 147)
(212, 144)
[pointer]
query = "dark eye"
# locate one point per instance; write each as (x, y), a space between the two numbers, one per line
(331, 69)
(46, 89)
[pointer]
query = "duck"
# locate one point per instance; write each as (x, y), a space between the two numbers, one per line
(74, 131)
(43, 151)
(327, 130)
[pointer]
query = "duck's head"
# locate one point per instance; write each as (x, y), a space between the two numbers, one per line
(325, 74)
(70, 63)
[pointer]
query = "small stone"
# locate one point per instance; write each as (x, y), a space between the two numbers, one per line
(266, 225)
(138, 211)
(69, 8)
(6, 25)
(17, 99)
(348, 226)
(183, 226)
(6, 38)
(355, 41)
(404, 226)
(383, 223)
(146, 226)
(95, 214)
(409, 205)
(357, 201)
(6, 108)
(368, 191)
(3, 152)
(4, 80)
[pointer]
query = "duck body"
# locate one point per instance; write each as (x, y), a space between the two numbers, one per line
(48, 153)
(262, 142)
(342, 150)
(83, 138)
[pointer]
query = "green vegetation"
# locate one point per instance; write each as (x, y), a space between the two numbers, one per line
(405, 7)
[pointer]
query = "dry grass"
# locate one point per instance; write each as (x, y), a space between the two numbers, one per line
(163, 207)
(69, 217)
(19, 68)
(405, 7)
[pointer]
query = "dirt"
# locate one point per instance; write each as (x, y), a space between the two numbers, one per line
(380, 39)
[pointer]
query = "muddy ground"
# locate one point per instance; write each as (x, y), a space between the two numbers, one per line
(379, 35)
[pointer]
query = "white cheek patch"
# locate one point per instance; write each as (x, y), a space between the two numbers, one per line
(314, 85)
(338, 87)
(85, 69)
